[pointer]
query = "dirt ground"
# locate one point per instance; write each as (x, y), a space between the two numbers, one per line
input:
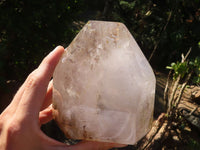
(183, 134)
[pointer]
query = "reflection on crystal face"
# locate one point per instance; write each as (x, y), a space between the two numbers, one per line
(103, 86)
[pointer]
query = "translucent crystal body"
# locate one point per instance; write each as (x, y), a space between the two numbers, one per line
(103, 86)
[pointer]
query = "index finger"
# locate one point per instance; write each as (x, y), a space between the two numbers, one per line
(36, 85)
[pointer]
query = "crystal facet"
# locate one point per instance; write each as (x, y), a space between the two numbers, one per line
(103, 86)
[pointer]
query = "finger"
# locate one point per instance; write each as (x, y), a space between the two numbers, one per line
(48, 97)
(36, 86)
(45, 116)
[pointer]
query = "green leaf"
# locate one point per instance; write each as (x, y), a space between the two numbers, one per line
(173, 64)
(169, 67)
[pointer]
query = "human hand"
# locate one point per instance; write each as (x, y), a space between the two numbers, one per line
(20, 122)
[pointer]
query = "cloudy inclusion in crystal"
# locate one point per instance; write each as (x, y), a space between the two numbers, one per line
(104, 87)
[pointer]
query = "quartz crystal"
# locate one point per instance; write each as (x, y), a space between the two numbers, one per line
(103, 86)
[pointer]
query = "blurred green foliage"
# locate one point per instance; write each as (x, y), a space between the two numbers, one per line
(30, 29)
(193, 144)
(183, 68)
(170, 27)
(164, 29)
(179, 68)
(195, 65)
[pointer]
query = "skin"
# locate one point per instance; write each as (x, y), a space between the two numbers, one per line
(30, 108)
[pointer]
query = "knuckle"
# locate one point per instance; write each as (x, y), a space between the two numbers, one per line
(46, 61)
(47, 65)
(11, 133)
(13, 128)
(33, 79)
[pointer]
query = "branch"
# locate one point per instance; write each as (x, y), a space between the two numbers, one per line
(167, 88)
(182, 89)
(171, 99)
(153, 132)
(163, 29)
(185, 57)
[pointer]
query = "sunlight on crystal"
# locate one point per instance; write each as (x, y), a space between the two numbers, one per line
(104, 87)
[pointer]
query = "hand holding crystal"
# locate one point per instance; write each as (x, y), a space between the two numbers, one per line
(20, 122)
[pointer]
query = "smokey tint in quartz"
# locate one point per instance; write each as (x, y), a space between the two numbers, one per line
(103, 86)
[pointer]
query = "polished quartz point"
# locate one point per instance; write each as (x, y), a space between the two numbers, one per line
(103, 86)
